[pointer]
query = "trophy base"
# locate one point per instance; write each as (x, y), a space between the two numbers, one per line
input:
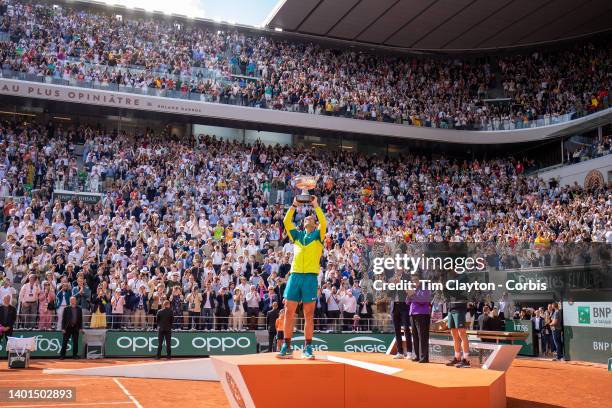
(303, 198)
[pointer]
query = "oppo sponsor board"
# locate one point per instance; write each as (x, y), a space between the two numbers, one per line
(48, 343)
(125, 343)
(588, 331)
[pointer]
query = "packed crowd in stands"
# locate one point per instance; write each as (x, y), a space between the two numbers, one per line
(200, 224)
(177, 59)
(587, 151)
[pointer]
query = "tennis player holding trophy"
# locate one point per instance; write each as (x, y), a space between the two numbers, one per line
(307, 250)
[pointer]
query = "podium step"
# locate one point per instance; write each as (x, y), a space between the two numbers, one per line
(362, 380)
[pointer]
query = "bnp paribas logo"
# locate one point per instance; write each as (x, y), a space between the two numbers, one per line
(584, 314)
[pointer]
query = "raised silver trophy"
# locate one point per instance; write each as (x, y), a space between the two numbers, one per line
(305, 183)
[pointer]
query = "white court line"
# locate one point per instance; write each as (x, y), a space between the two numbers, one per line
(126, 392)
(79, 378)
(75, 404)
(183, 361)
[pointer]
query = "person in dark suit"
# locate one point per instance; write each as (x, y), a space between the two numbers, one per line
(165, 318)
(320, 310)
(269, 299)
(72, 324)
(400, 314)
(223, 309)
(8, 316)
(364, 308)
(208, 306)
(271, 318)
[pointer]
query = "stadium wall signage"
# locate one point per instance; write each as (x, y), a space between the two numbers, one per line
(87, 198)
(353, 342)
(525, 326)
(139, 343)
(588, 330)
(124, 100)
(48, 343)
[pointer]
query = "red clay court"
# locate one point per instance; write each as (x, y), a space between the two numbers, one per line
(530, 384)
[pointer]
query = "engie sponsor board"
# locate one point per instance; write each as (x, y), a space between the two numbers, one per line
(357, 342)
(48, 343)
(138, 343)
(587, 331)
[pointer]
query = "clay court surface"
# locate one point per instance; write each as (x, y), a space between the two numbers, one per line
(529, 384)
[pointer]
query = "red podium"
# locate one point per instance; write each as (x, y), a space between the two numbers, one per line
(355, 380)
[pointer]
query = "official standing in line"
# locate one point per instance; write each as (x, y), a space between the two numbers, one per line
(420, 316)
(8, 316)
(165, 318)
(271, 318)
(72, 325)
(400, 313)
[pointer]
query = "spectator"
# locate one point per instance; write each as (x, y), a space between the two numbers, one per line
(46, 306)
(238, 310)
(194, 301)
(208, 307)
(62, 300)
(349, 308)
(223, 309)
(252, 300)
(98, 307)
(118, 309)
(141, 308)
(28, 300)
(82, 294)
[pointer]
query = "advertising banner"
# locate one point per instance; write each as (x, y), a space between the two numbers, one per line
(348, 342)
(588, 314)
(48, 343)
(138, 343)
(588, 331)
(124, 344)
(525, 326)
(87, 198)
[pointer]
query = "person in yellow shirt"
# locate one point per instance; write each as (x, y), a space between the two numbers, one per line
(302, 284)
(229, 234)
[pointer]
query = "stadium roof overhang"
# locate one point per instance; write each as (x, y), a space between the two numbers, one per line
(443, 25)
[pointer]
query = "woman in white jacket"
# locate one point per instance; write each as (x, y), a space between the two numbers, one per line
(237, 312)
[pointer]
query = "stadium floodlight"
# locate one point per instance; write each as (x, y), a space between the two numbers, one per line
(280, 30)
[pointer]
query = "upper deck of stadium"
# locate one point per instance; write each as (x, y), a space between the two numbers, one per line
(219, 73)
